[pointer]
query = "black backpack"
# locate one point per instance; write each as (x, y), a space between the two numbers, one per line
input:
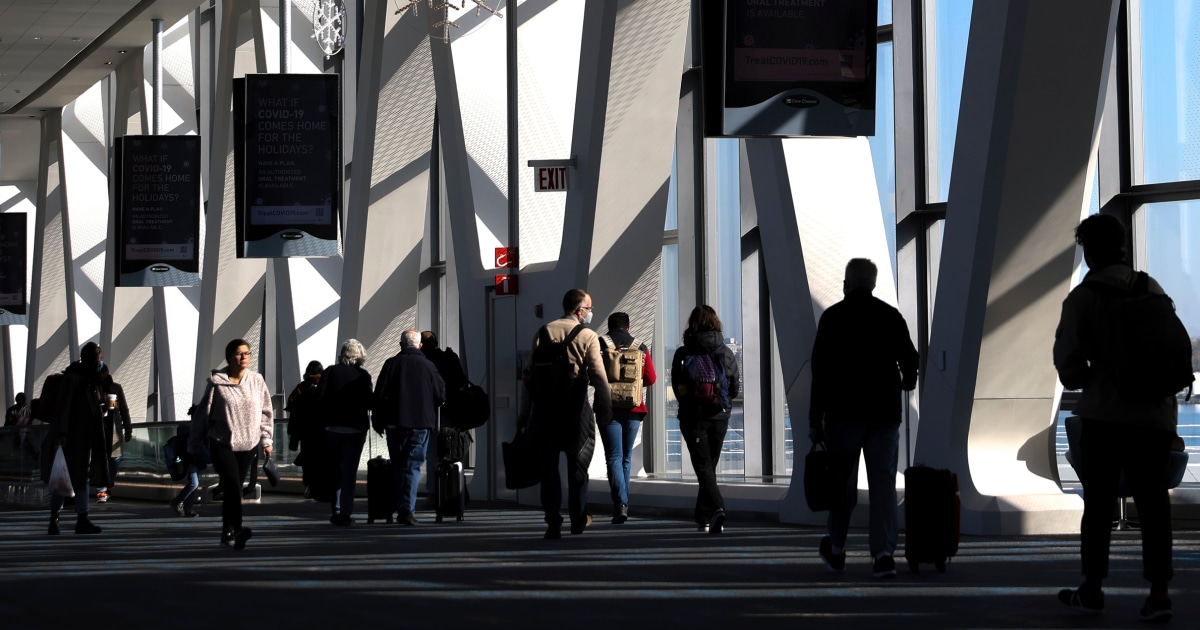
(1144, 349)
(552, 375)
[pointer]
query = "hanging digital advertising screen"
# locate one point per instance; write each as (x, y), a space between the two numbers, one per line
(288, 164)
(158, 211)
(782, 68)
(14, 301)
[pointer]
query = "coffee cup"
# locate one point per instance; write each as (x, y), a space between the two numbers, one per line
(112, 401)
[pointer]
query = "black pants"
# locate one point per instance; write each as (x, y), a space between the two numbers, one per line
(1141, 453)
(231, 467)
(704, 439)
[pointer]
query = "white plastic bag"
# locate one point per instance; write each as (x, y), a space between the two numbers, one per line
(60, 477)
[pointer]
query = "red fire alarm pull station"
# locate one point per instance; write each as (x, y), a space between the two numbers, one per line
(506, 284)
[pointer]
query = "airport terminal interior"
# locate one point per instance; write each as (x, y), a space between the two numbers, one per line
(490, 155)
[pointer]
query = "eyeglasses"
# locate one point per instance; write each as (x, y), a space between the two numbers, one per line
(241, 354)
(586, 308)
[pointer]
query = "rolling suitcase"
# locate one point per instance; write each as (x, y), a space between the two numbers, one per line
(451, 497)
(931, 516)
(381, 490)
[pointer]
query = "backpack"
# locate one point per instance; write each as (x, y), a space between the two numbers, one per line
(706, 383)
(624, 367)
(453, 445)
(466, 408)
(552, 375)
(1144, 348)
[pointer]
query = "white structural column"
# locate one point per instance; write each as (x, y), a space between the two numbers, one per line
(388, 200)
(1030, 113)
(14, 356)
(817, 208)
(51, 300)
(127, 314)
(85, 167)
(232, 291)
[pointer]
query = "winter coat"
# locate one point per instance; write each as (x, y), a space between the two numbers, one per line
(708, 342)
(1080, 322)
(408, 393)
(345, 396)
(80, 419)
(862, 358)
(237, 415)
(573, 429)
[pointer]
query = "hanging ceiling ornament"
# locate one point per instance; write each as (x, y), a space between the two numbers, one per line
(444, 6)
(329, 26)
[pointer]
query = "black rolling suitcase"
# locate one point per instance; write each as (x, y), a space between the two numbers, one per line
(381, 490)
(451, 490)
(931, 516)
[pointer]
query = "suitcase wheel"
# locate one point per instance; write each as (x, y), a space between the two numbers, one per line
(940, 565)
(914, 567)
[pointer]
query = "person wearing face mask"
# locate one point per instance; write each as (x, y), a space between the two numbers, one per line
(79, 429)
(562, 420)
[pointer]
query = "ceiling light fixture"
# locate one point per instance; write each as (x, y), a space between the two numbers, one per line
(108, 63)
(122, 52)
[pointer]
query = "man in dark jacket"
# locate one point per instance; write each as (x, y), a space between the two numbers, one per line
(1119, 435)
(79, 428)
(407, 396)
(862, 358)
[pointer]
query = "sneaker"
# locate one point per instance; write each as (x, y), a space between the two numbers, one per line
(717, 525)
(834, 563)
(177, 507)
(239, 540)
(101, 497)
(407, 519)
(620, 514)
(702, 528)
(577, 528)
(884, 566)
(341, 520)
(190, 513)
(1080, 600)
(1157, 608)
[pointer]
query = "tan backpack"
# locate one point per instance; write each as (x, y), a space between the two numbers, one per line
(624, 367)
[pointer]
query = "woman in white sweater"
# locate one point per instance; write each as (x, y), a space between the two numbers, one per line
(235, 415)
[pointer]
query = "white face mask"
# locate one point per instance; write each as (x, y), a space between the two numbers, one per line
(587, 319)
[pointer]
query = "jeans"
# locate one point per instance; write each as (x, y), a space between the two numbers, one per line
(551, 492)
(347, 448)
(618, 437)
(879, 444)
(1108, 449)
(407, 448)
(188, 495)
(231, 467)
(704, 439)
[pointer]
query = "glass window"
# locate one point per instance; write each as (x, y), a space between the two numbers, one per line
(1173, 258)
(728, 301)
(885, 12)
(883, 145)
(1170, 90)
(952, 24)
(670, 339)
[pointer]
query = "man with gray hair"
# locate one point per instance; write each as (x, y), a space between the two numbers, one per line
(862, 358)
(407, 396)
(343, 402)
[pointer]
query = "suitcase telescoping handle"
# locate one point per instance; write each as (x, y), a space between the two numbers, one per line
(907, 435)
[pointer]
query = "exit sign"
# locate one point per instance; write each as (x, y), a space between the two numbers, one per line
(550, 178)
